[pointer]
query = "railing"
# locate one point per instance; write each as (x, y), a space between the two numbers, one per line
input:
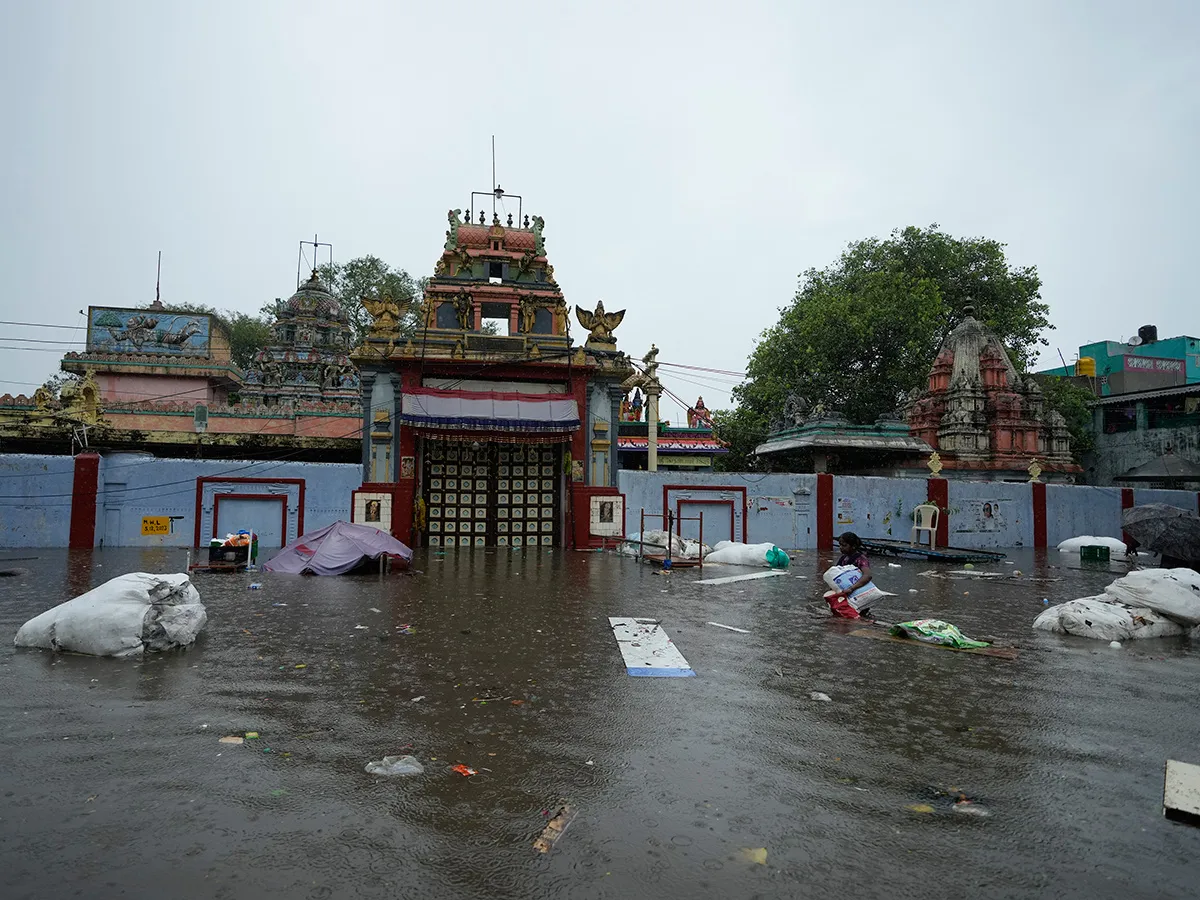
(1161, 418)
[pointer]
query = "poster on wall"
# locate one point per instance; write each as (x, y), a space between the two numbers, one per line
(408, 467)
(845, 511)
(112, 330)
(981, 516)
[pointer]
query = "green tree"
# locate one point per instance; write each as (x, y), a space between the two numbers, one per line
(743, 429)
(247, 335)
(370, 276)
(861, 333)
(1073, 402)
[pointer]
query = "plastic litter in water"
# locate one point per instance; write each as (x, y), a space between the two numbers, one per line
(395, 765)
(1116, 645)
(755, 855)
(465, 771)
(554, 829)
(255, 586)
(251, 735)
(231, 739)
(821, 698)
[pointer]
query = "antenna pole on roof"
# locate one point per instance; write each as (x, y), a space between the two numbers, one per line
(158, 280)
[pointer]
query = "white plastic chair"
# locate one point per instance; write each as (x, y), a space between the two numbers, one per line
(925, 518)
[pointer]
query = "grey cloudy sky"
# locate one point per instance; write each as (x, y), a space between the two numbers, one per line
(690, 159)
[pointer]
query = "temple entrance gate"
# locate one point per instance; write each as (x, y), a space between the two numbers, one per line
(491, 494)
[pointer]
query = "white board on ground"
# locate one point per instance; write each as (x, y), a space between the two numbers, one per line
(728, 579)
(647, 650)
(1181, 791)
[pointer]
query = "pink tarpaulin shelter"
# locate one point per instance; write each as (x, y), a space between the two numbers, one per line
(335, 550)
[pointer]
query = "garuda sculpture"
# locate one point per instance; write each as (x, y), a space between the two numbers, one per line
(600, 325)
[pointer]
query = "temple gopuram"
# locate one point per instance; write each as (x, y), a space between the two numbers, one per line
(308, 360)
(489, 426)
(985, 421)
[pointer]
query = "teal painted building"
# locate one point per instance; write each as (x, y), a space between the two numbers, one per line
(1144, 364)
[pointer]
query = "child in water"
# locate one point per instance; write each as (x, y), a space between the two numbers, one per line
(852, 555)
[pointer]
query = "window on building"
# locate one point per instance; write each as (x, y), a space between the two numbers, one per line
(495, 245)
(495, 270)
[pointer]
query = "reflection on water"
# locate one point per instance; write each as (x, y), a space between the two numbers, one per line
(114, 780)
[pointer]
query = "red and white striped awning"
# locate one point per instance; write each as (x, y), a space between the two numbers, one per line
(460, 410)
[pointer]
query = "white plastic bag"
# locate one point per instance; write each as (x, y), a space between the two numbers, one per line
(1105, 619)
(395, 765)
(1116, 548)
(839, 578)
(122, 617)
(734, 553)
(1174, 593)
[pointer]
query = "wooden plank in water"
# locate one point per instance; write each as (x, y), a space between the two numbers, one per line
(881, 635)
(730, 579)
(941, 554)
(1181, 792)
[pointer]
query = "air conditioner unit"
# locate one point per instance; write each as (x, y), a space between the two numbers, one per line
(200, 418)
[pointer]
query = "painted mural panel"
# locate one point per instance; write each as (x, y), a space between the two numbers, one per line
(113, 330)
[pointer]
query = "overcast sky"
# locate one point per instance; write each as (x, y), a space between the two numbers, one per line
(690, 159)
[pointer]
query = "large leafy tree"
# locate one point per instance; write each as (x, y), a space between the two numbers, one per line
(370, 276)
(862, 332)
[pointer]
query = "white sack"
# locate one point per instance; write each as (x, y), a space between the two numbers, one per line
(1104, 619)
(1116, 548)
(122, 617)
(1174, 593)
(655, 542)
(733, 553)
(841, 577)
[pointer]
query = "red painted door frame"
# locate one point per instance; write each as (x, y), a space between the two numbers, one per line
(217, 479)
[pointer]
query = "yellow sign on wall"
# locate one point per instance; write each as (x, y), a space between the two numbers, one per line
(156, 524)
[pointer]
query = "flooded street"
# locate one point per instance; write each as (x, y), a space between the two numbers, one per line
(113, 782)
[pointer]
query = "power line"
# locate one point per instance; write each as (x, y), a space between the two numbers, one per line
(39, 341)
(41, 325)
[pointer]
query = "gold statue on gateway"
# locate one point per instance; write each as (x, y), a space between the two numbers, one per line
(600, 325)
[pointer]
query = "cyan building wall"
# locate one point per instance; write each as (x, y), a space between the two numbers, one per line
(986, 514)
(876, 507)
(35, 500)
(780, 508)
(35, 504)
(1072, 511)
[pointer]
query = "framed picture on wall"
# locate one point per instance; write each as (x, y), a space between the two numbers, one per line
(607, 516)
(372, 508)
(408, 466)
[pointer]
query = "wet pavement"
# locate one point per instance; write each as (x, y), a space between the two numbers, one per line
(113, 783)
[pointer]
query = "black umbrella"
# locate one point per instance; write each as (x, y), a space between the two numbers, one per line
(1164, 529)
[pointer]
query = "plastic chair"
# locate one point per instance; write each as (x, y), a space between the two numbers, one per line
(925, 518)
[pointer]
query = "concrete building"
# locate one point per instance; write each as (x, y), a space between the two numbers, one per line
(1142, 363)
(1138, 429)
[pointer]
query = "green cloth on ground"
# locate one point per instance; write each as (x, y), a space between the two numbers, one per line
(935, 631)
(777, 559)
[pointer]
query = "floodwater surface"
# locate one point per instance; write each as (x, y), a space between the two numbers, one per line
(732, 784)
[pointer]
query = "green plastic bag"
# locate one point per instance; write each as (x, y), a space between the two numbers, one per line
(935, 631)
(777, 559)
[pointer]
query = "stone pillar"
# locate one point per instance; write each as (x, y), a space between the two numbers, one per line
(367, 383)
(652, 392)
(1143, 418)
(615, 396)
